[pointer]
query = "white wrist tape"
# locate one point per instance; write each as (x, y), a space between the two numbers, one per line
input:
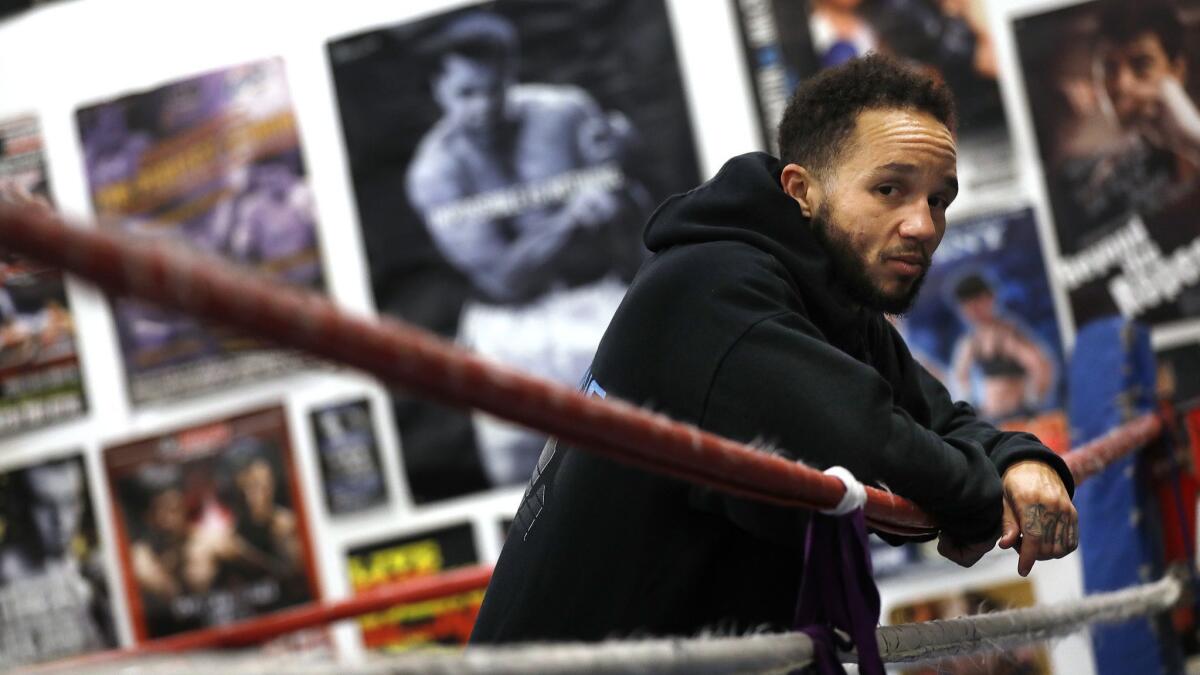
(855, 497)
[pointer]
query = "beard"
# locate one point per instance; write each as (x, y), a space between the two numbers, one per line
(850, 270)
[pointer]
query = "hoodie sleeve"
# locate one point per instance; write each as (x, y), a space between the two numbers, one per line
(781, 385)
(951, 419)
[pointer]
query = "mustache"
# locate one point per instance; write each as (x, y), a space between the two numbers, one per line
(917, 251)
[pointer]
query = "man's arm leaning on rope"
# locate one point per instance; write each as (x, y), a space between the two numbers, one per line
(1039, 519)
(784, 385)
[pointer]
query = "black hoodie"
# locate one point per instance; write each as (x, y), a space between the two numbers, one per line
(734, 325)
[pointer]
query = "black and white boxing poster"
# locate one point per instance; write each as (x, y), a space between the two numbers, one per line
(787, 41)
(54, 597)
(1113, 90)
(505, 158)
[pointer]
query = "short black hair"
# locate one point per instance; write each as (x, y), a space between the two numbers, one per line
(1122, 22)
(479, 36)
(971, 286)
(824, 109)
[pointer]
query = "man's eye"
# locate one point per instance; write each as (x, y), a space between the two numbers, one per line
(886, 190)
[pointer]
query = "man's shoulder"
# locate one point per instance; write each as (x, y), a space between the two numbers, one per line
(724, 284)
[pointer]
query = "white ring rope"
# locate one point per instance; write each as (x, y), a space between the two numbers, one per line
(932, 640)
(854, 498)
(761, 653)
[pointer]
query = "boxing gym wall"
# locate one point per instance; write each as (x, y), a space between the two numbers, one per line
(296, 141)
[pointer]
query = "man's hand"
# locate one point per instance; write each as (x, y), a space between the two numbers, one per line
(1039, 519)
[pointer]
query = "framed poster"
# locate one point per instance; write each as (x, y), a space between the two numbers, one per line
(212, 162)
(211, 524)
(54, 596)
(505, 158)
(40, 378)
(447, 620)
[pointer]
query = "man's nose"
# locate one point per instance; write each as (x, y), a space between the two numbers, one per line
(919, 223)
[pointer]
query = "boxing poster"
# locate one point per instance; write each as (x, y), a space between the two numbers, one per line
(210, 524)
(985, 325)
(54, 596)
(788, 41)
(505, 158)
(446, 620)
(348, 454)
(40, 378)
(1025, 659)
(212, 162)
(1113, 93)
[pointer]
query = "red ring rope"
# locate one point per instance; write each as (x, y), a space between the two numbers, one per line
(405, 356)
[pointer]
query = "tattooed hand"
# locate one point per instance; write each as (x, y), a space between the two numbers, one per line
(1039, 519)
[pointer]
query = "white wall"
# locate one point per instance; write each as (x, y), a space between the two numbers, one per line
(63, 55)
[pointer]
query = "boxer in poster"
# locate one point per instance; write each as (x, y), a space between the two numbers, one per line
(211, 524)
(787, 41)
(1113, 91)
(54, 597)
(985, 325)
(40, 378)
(212, 161)
(505, 158)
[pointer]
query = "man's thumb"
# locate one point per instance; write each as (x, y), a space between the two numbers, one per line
(1009, 529)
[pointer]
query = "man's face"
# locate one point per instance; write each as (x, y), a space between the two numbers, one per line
(57, 506)
(881, 208)
(168, 512)
(258, 488)
(1133, 76)
(470, 92)
(979, 308)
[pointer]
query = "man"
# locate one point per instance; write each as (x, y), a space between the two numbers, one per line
(760, 318)
(55, 600)
(522, 190)
(1016, 372)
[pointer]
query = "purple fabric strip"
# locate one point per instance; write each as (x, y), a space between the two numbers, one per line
(838, 592)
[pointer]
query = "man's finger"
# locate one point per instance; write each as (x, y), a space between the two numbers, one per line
(1033, 530)
(1010, 531)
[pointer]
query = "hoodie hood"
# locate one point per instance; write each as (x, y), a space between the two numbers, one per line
(745, 202)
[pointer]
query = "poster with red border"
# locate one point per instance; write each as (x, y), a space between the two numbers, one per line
(211, 524)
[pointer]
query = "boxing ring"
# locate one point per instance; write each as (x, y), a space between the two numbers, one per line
(402, 356)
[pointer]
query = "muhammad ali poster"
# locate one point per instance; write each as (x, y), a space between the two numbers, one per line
(505, 158)
(985, 325)
(54, 596)
(351, 472)
(787, 41)
(211, 525)
(446, 620)
(1113, 89)
(40, 378)
(214, 162)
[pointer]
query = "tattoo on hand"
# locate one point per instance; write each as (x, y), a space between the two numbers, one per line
(1051, 527)
(1034, 518)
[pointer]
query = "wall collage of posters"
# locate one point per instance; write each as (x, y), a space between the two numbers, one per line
(503, 158)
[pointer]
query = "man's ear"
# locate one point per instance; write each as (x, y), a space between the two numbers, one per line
(801, 185)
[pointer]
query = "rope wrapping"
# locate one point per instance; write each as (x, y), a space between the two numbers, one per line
(762, 653)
